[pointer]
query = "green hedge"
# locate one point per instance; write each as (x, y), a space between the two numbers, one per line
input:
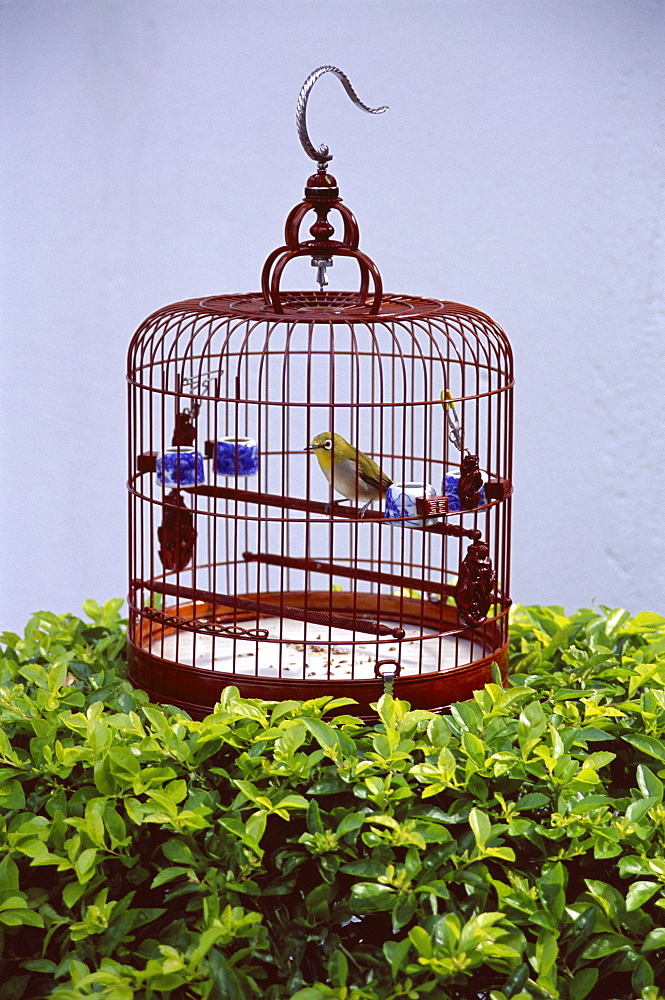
(511, 847)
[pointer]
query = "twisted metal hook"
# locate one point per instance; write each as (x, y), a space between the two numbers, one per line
(323, 155)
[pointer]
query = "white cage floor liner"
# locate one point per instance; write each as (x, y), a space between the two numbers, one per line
(314, 652)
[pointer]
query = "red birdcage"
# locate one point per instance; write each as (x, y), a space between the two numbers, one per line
(265, 551)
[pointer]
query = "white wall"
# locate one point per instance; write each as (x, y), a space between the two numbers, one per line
(150, 155)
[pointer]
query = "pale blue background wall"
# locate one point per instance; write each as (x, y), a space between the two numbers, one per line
(149, 154)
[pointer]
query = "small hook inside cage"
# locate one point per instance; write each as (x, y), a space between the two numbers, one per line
(322, 264)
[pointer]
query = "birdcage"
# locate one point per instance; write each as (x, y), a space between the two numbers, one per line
(319, 484)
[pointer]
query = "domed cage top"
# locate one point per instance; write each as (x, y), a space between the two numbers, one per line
(319, 486)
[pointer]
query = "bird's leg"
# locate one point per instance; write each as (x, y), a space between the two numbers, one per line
(363, 509)
(334, 502)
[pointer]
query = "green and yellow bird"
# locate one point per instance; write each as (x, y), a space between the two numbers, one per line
(349, 471)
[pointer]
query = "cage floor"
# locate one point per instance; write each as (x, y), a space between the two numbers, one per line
(313, 652)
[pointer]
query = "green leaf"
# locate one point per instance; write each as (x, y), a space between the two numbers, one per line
(365, 867)
(647, 744)
(531, 725)
(350, 822)
(338, 969)
(14, 912)
(534, 800)
(115, 826)
(9, 877)
(314, 824)
(177, 850)
(547, 950)
(12, 795)
(642, 977)
(551, 889)
(292, 801)
(475, 748)
(605, 944)
(123, 763)
(21, 917)
(84, 862)
(256, 825)
(14, 902)
(649, 784)
(560, 640)
(318, 902)
(655, 939)
(314, 993)
(438, 732)
(582, 983)
(94, 824)
(72, 893)
(421, 941)
(632, 865)
(170, 875)
(467, 716)
(645, 621)
(396, 952)
(403, 911)
(639, 893)
(324, 734)
(368, 896)
(104, 779)
(176, 791)
(516, 980)
(481, 826)
(610, 899)
(42, 965)
(92, 610)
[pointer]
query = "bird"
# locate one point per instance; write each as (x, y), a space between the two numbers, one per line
(349, 471)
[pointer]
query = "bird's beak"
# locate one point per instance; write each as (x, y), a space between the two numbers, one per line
(310, 447)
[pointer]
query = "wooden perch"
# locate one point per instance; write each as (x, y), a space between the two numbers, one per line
(324, 618)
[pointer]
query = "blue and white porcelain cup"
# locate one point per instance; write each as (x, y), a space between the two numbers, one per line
(450, 487)
(401, 502)
(236, 456)
(180, 467)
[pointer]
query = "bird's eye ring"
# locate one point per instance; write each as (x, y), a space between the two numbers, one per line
(327, 444)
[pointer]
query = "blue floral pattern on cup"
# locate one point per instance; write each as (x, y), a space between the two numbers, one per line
(180, 468)
(394, 504)
(236, 457)
(401, 502)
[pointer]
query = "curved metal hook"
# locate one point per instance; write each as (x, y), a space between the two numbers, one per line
(323, 155)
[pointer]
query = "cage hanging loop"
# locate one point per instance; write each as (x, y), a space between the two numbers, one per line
(322, 155)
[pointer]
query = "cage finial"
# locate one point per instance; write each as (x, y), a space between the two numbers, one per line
(322, 155)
